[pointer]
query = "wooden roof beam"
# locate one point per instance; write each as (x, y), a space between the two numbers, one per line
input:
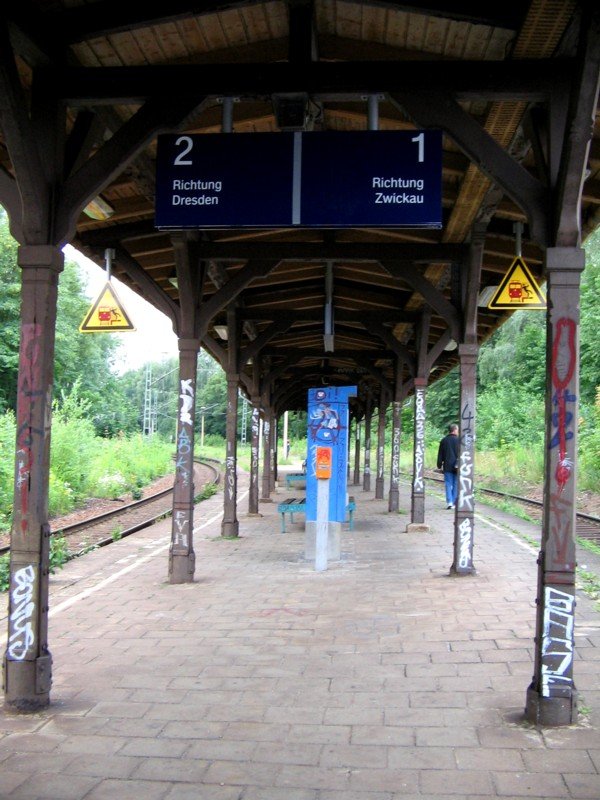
(530, 80)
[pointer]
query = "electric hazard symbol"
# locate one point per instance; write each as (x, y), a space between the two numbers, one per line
(518, 289)
(106, 314)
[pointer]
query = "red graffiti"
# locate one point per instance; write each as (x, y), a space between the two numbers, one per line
(561, 543)
(563, 367)
(29, 389)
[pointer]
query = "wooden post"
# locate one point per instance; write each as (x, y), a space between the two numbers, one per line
(27, 659)
(182, 559)
(552, 696)
(379, 480)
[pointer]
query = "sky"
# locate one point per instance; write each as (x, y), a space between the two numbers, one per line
(153, 340)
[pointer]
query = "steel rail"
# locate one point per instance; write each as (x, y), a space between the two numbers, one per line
(590, 531)
(69, 530)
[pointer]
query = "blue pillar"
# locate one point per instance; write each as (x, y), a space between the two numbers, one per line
(328, 420)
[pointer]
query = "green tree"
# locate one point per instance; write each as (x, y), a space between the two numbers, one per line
(590, 323)
(84, 358)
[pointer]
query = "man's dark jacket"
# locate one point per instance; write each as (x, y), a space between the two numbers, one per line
(447, 459)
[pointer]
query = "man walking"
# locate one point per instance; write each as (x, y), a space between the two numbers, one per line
(447, 461)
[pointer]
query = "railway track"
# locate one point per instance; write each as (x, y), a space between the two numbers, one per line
(102, 529)
(587, 526)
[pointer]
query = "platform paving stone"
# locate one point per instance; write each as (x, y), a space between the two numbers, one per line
(380, 679)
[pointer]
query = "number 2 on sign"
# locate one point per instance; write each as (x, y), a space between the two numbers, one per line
(180, 161)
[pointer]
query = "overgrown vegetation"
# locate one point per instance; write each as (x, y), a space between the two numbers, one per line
(83, 464)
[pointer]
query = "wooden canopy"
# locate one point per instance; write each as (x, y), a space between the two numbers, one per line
(87, 87)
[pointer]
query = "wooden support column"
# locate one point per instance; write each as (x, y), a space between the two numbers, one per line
(230, 524)
(464, 520)
(266, 473)
(27, 659)
(464, 526)
(274, 440)
(190, 280)
(417, 503)
(368, 420)
(379, 480)
(394, 494)
(417, 506)
(182, 559)
(552, 696)
(356, 480)
(254, 448)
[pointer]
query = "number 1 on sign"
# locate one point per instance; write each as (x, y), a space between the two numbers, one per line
(420, 140)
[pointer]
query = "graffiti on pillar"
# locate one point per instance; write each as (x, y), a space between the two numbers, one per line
(561, 541)
(418, 483)
(21, 637)
(312, 460)
(563, 367)
(465, 473)
(254, 446)
(465, 533)
(557, 643)
(230, 476)
(184, 439)
(187, 401)
(29, 390)
(184, 448)
(324, 423)
(181, 529)
(380, 461)
(396, 446)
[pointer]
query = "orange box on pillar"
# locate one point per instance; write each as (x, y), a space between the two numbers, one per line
(324, 463)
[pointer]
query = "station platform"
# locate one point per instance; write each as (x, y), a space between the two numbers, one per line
(379, 679)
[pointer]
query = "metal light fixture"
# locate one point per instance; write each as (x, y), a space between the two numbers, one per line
(452, 345)
(291, 111)
(221, 331)
(99, 209)
(172, 279)
(485, 295)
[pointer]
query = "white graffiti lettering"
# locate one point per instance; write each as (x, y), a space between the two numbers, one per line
(419, 481)
(396, 456)
(187, 401)
(557, 642)
(230, 475)
(21, 636)
(465, 558)
(465, 477)
(181, 528)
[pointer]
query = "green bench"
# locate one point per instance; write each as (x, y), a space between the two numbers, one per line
(298, 505)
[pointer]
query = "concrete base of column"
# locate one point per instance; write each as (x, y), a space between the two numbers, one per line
(551, 711)
(181, 567)
(22, 679)
(333, 542)
(417, 527)
(462, 573)
(417, 512)
(379, 489)
(394, 500)
(230, 529)
(265, 500)
(254, 514)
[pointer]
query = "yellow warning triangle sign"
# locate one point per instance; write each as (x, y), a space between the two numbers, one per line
(106, 314)
(518, 289)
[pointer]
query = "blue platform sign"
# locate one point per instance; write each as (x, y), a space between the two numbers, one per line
(372, 179)
(328, 417)
(223, 180)
(327, 179)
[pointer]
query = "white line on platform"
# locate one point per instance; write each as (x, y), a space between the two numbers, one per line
(116, 575)
(508, 532)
